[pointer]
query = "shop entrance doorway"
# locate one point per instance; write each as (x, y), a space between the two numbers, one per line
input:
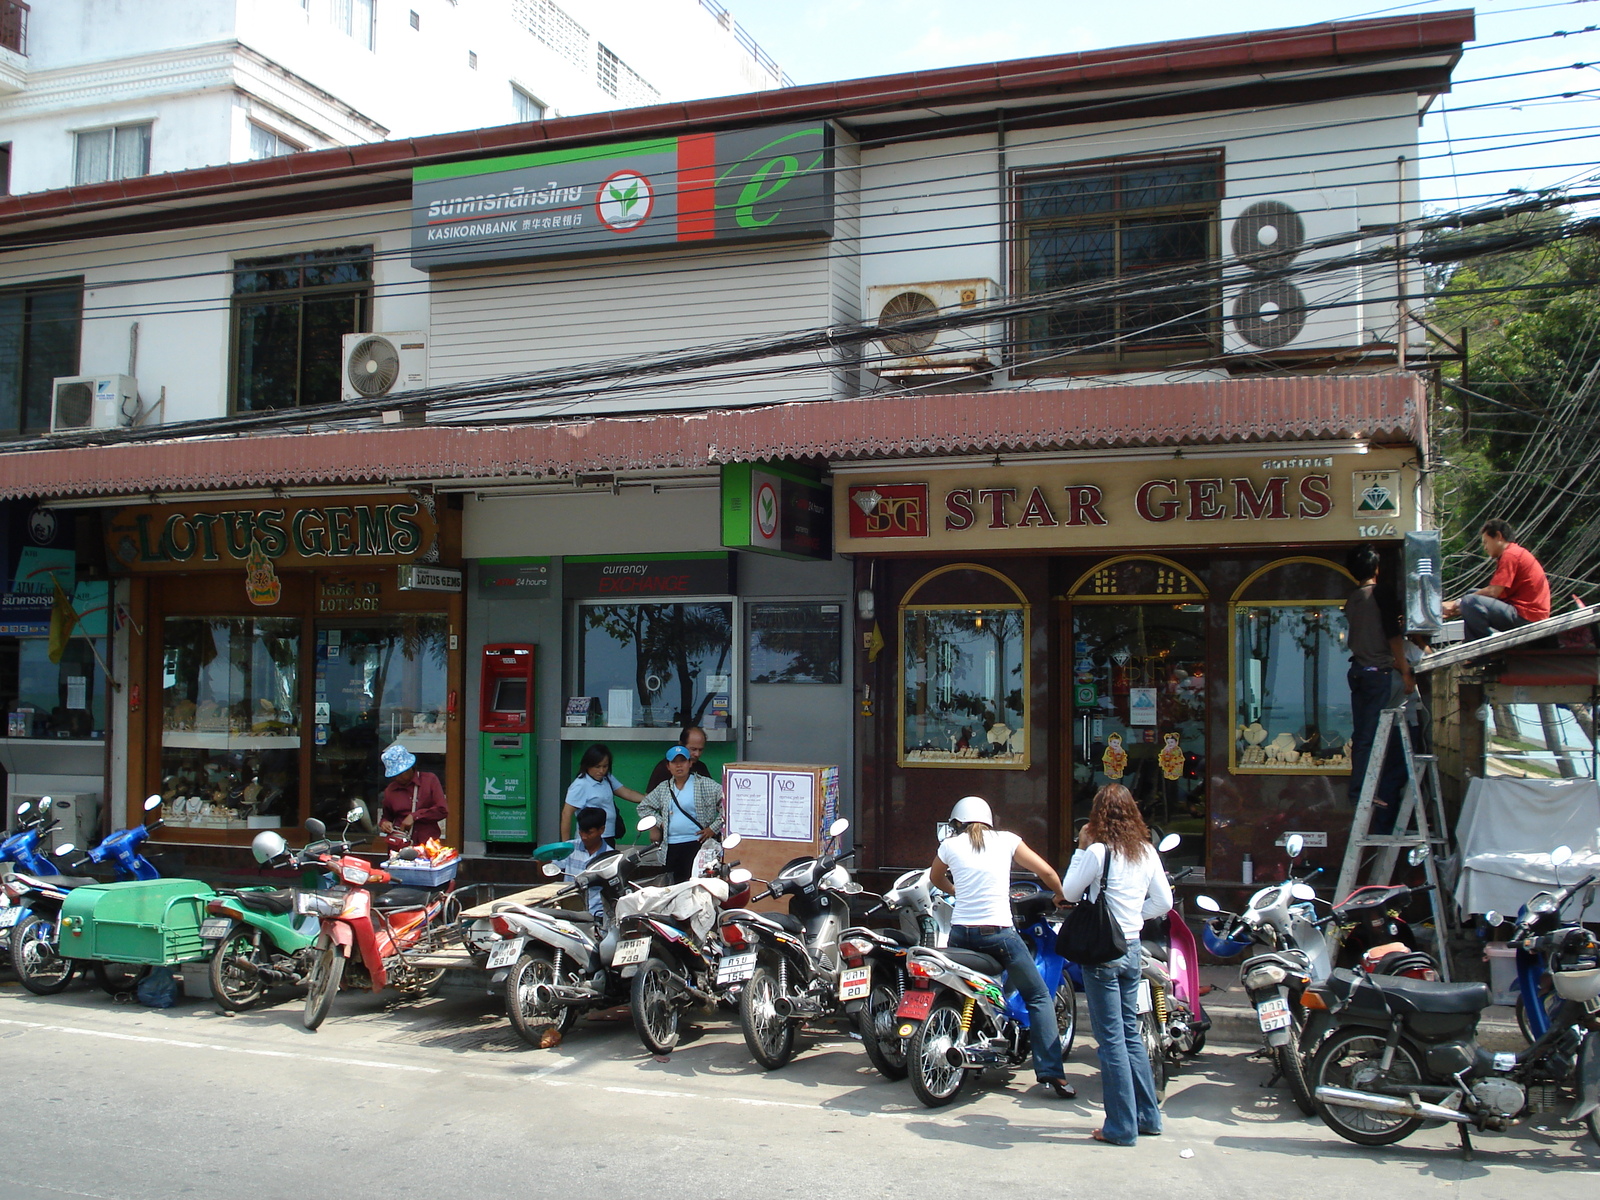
(1136, 713)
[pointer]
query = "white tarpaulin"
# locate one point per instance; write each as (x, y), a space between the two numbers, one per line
(1508, 828)
(694, 902)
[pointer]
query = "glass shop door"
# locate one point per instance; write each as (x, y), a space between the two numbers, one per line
(1137, 715)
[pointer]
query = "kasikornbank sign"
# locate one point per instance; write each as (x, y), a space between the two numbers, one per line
(291, 534)
(694, 189)
(1269, 498)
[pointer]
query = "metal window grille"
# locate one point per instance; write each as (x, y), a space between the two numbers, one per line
(552, 26)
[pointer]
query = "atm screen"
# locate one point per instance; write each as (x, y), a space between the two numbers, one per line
(511, 695)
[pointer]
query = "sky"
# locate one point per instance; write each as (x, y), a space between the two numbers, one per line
(1532, 137)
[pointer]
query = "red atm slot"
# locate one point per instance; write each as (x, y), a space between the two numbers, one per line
(505, 698)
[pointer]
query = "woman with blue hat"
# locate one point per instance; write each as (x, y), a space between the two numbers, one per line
(414, 807)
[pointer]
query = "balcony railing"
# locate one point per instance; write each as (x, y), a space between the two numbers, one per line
(14, 25)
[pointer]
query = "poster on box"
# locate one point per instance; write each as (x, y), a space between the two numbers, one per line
(793, 806)
(749, 796)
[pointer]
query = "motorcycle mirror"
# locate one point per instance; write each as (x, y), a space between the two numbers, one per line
(1417, 855)
(646, 824)
(23, 808)
(732, 840)
(1294, 844)
(1207, 903)
(151, 803)
(1561, 855)
(1170, 842)
(1494, 919)
(838, 827)
(355, 814)
(1303, 891)
(64, 849)
(550, 870)
(739, 876)
(316, 829)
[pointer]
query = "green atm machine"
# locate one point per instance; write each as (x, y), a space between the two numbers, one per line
(506, 761)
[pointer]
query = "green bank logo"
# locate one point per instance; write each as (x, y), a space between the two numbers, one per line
(767, 510)
(624, 201)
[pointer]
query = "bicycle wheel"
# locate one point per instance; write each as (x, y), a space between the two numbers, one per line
(1352, 1059)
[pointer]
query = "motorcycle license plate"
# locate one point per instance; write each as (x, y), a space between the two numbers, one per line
(505, 953)
(1146, 1002)
(1274, 1014)
(9, 915)
(914, 1005)
(855, 983)
(736, 968)
(632, 952)
(214, 929)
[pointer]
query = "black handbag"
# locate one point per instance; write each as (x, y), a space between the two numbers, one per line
(1090, 936)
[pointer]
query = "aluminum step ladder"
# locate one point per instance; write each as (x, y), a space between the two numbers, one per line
(1420, 823)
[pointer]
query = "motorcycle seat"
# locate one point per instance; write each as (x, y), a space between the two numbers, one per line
(402, 897)
(975, 961)
(279, 900)
(1154, 949)
(898, 936)
(785, 921)
(1405, 996)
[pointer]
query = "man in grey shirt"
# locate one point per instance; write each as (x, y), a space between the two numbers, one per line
(1379, 677)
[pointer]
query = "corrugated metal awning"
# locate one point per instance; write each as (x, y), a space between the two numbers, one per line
(1385, 407)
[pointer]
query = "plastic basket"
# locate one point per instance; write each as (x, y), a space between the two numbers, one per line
(416, 874)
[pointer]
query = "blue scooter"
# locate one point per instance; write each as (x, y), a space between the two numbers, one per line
(36, 897)
(21, 850)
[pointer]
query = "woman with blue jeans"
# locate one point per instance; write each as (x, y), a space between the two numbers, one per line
(1136, 888)
(975, 865)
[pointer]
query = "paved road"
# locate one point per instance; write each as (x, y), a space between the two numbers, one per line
(439, 1098)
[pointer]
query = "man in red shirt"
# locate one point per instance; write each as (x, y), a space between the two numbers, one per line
(1517, 595)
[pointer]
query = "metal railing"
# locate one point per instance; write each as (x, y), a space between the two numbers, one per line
(14, 25)
(725, 19)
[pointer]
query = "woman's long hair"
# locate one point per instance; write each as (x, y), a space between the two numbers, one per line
(592, 757)
(974, 831)
(1114, 819)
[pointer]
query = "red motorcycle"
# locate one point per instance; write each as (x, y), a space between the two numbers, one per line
(381, 939)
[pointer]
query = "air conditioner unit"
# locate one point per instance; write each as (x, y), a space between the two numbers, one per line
(1305, 312)
(961, 351)
(383, 364)
(80, 403)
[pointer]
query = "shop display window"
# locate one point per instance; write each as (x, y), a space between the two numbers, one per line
(230, 740)
(658, 665)
(795, 643)
(44, 699)
(964, 685)
(1291, 700)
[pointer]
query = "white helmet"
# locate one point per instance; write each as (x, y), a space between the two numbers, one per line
(267, 845)
(972, 808)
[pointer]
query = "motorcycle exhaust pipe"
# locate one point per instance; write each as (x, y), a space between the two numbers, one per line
(783, 1007)
(1394, 1106)
(972, 1056)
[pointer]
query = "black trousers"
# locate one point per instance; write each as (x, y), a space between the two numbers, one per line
(680, 859)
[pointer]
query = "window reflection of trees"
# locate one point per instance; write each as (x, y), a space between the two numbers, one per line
(672, 646)
(1290, 681)
(963, 676)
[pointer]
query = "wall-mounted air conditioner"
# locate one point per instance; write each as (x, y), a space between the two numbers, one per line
(1264, 311)
(383, 364)
(80, 403)
(930, 352)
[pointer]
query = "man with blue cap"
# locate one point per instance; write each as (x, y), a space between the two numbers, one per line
(414, 807)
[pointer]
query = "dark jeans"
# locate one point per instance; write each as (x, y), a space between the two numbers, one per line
(1022, 973)
(1483, 615)
(1371, 691)
(1128, 1089)
(680, 859)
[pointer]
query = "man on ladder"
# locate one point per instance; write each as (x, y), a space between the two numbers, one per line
(1380, 678)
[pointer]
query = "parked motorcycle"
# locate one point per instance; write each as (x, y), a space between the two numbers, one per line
(669, 951)
(378, 937)
(1537, 1000)
(1405, 1052)
(796, 973)
(1172, 1020)
(20, 849)
(958, 1017)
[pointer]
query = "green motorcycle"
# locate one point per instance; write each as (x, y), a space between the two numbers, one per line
(259, 940)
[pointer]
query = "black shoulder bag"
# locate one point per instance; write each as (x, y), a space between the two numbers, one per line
(1090, 936)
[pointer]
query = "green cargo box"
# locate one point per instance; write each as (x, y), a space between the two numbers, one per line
(154, 922)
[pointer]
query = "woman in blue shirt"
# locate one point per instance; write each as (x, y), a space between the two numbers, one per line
(687, 809)
(596, 787)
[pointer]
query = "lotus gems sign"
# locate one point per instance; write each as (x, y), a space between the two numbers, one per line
(694, 189)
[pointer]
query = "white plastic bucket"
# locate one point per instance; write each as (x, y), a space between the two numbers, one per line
(1502, 960)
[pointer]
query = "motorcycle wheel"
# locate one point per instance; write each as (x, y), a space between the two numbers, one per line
(528, 1018)
(935, 1082)
(1350, 1059)
(33, 957)
(1293, 1069)
(875, 1021)
(769, 1036)
(118, 979)
(653, 1005)
(235, 982)
(323, 983)
(1150, 1033)
(1066, 1014)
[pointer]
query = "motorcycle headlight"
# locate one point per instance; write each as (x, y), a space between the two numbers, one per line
(319, 904)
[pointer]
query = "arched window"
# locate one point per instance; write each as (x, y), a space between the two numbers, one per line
(1137, 577)
(1286, 667)
(964, 670)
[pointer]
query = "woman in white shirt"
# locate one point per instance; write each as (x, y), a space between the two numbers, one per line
(975, 865)
(596, 787)
(1136, 889)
